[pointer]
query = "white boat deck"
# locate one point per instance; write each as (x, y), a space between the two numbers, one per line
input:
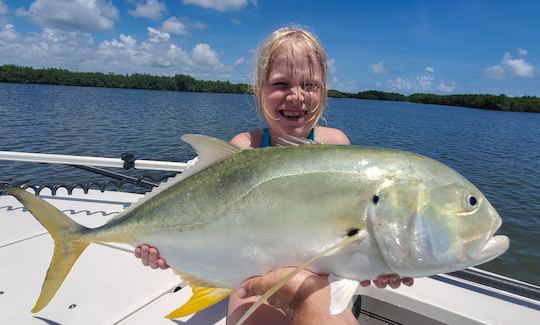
(105, 286)
(110, 286)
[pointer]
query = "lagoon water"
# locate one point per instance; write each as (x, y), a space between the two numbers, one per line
(497, 151)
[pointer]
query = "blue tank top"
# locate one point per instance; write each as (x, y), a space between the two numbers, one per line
(265, 141)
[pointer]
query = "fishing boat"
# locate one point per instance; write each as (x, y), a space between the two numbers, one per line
(108, 285)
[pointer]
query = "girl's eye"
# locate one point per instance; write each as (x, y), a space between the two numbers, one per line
(311, 85)
(280, 85)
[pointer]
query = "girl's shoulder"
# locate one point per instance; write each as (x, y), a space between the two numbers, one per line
(328, 135)
(249, 139)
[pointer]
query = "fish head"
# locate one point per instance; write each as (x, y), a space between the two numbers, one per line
(433, 221)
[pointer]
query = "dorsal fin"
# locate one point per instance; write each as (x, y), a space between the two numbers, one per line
(209, 149)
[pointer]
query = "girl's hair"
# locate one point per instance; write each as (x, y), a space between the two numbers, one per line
(287, 41)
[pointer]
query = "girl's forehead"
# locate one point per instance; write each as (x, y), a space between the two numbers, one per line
(298, 63)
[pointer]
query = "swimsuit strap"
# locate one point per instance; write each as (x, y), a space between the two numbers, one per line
(265, 140)
(311, 135)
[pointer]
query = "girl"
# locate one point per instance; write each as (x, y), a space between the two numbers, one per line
(290, 88)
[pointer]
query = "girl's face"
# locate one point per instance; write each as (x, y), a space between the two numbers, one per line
(291, 96)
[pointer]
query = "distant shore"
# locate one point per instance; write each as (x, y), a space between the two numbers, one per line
(180, 82)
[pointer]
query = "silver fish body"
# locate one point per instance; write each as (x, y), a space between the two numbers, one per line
(240, 213)
(257, 210)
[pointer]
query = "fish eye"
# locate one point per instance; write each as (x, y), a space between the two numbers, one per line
(471, 202)
(375, 199)
(352, 232)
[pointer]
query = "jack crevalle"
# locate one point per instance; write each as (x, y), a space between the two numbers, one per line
(349, 211)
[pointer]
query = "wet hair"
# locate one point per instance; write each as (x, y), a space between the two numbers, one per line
(286, 41)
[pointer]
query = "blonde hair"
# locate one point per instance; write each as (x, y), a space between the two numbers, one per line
(285, 41)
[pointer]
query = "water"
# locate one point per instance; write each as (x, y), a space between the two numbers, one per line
(498, 151)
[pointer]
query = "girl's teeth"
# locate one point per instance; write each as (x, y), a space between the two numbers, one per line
(293, 115)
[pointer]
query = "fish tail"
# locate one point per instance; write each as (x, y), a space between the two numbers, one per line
(66, 234)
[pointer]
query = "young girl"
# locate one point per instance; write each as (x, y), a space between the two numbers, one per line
(290, 88)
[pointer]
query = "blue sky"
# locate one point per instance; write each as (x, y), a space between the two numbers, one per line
(444, 47)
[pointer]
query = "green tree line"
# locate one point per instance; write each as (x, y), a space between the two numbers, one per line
(483, 101)
(180, 82)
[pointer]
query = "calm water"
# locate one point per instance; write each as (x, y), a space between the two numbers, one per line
(499, 152)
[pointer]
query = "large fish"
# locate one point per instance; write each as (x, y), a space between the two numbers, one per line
(352, 212)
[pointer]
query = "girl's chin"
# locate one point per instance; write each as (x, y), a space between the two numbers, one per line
(297, 130)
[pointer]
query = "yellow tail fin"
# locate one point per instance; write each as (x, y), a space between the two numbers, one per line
(67, 246)
(201, 299)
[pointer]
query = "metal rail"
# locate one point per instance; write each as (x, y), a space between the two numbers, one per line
(127, 161)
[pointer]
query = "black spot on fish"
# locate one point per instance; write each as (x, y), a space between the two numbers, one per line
(375, 199)
(352, 232)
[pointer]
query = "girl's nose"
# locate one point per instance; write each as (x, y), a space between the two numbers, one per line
(296, 95)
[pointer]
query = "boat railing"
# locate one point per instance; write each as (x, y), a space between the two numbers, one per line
(94, 165)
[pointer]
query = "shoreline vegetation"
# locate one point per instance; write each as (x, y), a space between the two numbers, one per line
(180, 82)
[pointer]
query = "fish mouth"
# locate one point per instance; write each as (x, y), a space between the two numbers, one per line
(488, 244)
(494, 247)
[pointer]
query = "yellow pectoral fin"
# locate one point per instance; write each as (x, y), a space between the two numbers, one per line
(201, 299)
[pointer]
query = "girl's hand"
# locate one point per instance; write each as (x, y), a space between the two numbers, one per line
(150, 257)
(303, 300)
(393, 280)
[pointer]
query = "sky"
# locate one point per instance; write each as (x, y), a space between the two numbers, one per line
(442, 47)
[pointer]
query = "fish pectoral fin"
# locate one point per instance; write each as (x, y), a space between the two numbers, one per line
(341, 292)
(202, 298)
(349, 239)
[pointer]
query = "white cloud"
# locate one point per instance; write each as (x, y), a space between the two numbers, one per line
(518, 67)
(515, 67)
(50, 48)
(8, 33)
(155, 54)
(129, 54)
(75, 15)
(202, 54)
(3, 9)
(401, 84)
(445, 88)
(378, 68)
(219, 5)
(331, 63)
(239, 61)
(494, 72)
(347, 86)
(157, 36)
(424, 82)
(151, 9)
(522, 52)
(174, 26)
